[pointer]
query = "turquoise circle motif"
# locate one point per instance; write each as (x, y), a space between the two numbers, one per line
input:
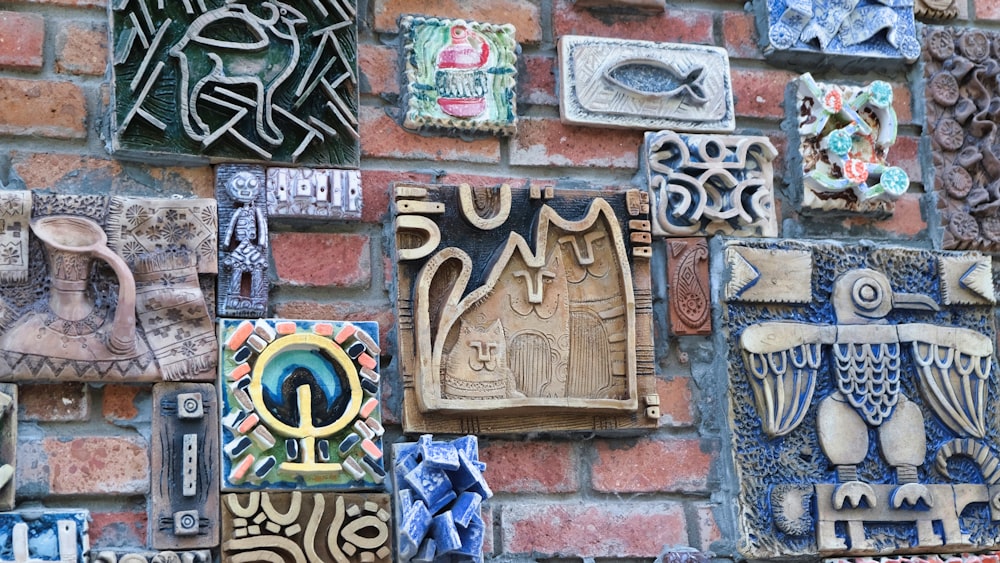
(839, 142)
(881, 93)
(895, 180)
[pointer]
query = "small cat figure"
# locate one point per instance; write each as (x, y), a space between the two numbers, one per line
(476, 366)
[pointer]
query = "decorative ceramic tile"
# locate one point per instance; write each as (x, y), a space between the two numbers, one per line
(844, 137)
(861, 33)
(534, 301)
(645, 85)
(91, 206)
(244, 244)
(688, 286)
(8, 444)
(120, 556)
(271, 81)
(300, 405)
(296, 526)
(862, 419)
(439, 491)
(642, 5)
(935, 9)
(15, 212)
(992, 557)
(35, 536)
(184, 496)
(314, 193)
(459, 75)
(708, 184)
(958, 95)
(138, 226)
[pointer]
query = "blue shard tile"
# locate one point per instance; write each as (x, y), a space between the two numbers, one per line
(469, 445)
(466, 507)
(472, 537)
(416, 522)
(429, 483)
(442, 455)
(445, 533)
(427, 552)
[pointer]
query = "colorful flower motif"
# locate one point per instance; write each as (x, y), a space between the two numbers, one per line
(833, 101)
(840, 142)
(895, 181)
(856, 171)
(881, 93)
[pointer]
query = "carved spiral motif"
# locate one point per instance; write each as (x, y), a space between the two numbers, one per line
(867, 294)
(189, 521)
(190, 405)
(940, 44)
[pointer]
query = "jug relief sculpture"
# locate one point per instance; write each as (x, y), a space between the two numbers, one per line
(459, 76)
(243, 240)
(88, 326)
(708, 184)
(306, 526)
(37, 536)
(852, 34)
(644, 85)
(308, 193)
(860, 405)
(523, 309)
(962, 101)
(844, 136)
(266, 81)
(300, 405)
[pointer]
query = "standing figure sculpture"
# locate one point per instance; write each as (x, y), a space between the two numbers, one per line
(245, 240)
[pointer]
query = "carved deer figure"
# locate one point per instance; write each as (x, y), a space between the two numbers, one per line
(264, 62)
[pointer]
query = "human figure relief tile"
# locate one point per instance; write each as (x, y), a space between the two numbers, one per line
(184, 499)
(244, 243)
(306, 526)
(644, 85)
(314, 193)
(267, 81)
(440, 489)
(862, 419)
(120, 556)
(300, 405)
(708, 184)
(36, 536)
(958, 66)
(844, 137)
(531, 300)
(856, 34)
(459, 76)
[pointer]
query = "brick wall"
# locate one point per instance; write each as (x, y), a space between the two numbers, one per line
(573, 496)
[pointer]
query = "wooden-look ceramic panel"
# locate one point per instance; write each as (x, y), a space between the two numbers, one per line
(300, 405)
(863, 419)
(184, 500)
(532, 301)
(688, 286)
(306, 526)
(36, 536)
(266, 81)
(244, 243)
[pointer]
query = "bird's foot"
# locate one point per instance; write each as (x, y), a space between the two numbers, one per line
(853, 493)
(908, 495)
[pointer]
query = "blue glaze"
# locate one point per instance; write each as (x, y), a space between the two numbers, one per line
(445, 533)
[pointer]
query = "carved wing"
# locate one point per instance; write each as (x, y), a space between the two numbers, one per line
(783, 358)
(954, 366)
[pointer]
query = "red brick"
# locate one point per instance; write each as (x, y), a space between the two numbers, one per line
(119, 403)
(22, 36)
(31, 473)
(645, 465)
(117, 529)
(530, 467)
(53, 403)
(322, 259)
(381, 137)
(72, 3)
(379, 65)
(675, 402)
(987, 9)
(522, 14)
(708, 528)
(487, 513)
(739, 35)
(760, 93)
(98, 465)
(592, 529)
(905, 223)
(197, 180)
(901, 102)
(82, 48)
(906, 154)
(678, 25)
(548, 142)
(539, 82)
(56, 171)
(39, 108)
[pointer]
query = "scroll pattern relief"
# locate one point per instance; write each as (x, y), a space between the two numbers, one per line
(688, 286)
(708, 184)
(645, 85)
(314, 193)
(850, 32)
(300, 405)
(306, 527)
(272, 81)
(845, 134)
(75, 322)
(36, 536)
(962, 97)
(459, 76)
(859, 412)
(527, 300)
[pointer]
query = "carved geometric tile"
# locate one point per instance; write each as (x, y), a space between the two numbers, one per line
(268, 81)
(300, 405)
(844, 137)
(306, 526)
(124, 556)
(858, 34)
(244, 244)
(15, 212)
(459, 75)
(645, 85)
(708, 184)
(138, 226)
(535, 301)
(34, 536)
(184, 498)
(766, 275)
(863, 421)
(991, 557)
(962, 134)
(967, 280)
(687, 279)
(314, 193)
